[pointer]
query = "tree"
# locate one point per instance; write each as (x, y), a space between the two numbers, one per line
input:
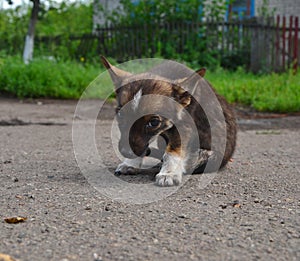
(29, 41)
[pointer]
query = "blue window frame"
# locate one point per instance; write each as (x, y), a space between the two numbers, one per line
(241, 9)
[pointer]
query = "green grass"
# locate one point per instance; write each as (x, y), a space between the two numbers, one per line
(269, 93)
(66, 79)
(45, 78)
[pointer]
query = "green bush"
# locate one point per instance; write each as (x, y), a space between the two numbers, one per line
(45, 78)
(69, 79)
(269, 92)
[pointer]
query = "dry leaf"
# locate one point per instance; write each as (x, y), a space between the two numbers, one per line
(236, 204)
(4, 257)
(15, 220)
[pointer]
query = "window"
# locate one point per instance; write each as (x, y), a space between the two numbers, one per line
(241, 9)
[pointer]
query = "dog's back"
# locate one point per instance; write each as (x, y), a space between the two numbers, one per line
(175, 72)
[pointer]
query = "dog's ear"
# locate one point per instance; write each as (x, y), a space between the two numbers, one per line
(201, 72)
(181, 96)
(191, 78)
(190, 83)
(117, 75)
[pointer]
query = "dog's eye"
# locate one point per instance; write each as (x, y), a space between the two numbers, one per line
(153, 123)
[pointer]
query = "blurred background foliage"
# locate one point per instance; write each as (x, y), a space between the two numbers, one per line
(59, 70)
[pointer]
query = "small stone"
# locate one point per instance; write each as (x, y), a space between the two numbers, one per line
(272, 219)
(21, 235)
(155, 240)
(97, 257)
(7, 162)
(48, 253)
(269, 250)
(45, 230)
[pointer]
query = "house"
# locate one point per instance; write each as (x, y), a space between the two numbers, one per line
(275, 49)
(279, 7)
(103, 8)
(239, 8)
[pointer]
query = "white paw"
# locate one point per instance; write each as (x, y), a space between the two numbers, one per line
(167, 179)
(129, 167)
(124, 169)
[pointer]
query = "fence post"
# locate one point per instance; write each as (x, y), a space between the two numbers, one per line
(259, 53)
(289, 52)
(283, 43)
(295, 60)
(277, 43)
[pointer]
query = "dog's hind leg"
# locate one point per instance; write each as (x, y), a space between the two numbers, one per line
(204, 157)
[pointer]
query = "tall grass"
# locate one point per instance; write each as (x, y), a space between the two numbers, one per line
(270, 93)
(45, 78)
(67, 79)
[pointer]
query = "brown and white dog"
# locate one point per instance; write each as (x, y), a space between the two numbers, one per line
(165, 115)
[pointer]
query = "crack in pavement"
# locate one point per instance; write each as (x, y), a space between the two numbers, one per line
(18, 122)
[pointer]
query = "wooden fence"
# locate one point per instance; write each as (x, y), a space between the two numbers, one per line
(275, 44)
(263, 45)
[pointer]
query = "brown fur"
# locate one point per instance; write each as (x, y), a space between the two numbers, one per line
(128, 85)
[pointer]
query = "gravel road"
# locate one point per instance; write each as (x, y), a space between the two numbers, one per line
(250, 210)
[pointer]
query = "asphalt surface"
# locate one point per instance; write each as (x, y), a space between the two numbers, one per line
(249, 211)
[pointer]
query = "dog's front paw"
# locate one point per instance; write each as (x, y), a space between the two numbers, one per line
(124, 169)
(129, 167)
(167, 179)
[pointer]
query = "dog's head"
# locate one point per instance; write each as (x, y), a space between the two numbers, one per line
(147, 106)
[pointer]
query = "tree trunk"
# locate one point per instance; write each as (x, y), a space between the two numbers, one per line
(29, 41)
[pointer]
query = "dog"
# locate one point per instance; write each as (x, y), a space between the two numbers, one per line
(197, 136)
